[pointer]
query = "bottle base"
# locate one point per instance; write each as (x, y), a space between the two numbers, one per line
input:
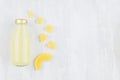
(21, 64)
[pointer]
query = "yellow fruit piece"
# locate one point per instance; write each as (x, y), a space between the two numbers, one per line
(51, 45)
(43, 37)
(30, 14)
(40, 59)
(40, 21)
(49, 28)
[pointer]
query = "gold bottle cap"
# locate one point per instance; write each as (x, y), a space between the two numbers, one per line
(21, 21)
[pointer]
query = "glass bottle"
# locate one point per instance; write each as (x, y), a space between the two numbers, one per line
(21, 44)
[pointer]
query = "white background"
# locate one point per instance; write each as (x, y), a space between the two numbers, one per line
(87, 34)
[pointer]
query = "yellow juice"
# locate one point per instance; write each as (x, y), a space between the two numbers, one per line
(21, 44)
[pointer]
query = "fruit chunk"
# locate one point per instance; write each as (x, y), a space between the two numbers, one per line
(51, 45)
(43, 37)
(49, 28)
(30, 14)
(40, 59)
(40, 21)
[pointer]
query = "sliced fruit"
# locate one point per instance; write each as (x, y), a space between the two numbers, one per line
(43, 37)
(40, 21)
(30, 14)
(51, 45)
(49, 28)
(42, 58)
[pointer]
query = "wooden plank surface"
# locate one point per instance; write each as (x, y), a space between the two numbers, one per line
(86, 32)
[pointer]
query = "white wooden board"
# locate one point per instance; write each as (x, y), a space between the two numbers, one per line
(86, 32)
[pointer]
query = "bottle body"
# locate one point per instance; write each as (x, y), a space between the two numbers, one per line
(21, 46)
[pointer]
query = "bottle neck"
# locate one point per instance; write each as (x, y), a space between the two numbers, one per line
(21, 25)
